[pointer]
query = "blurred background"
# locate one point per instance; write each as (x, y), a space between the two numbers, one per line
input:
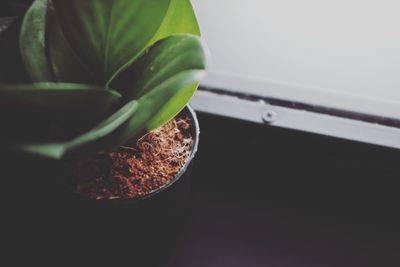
(343, 54)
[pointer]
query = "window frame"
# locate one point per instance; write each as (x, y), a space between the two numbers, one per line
(299, 116)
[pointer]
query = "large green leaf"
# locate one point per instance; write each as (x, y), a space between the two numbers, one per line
(106, 34)
(120, 127)
(46, 53)
(131, 119)
(179, 19)
(100, 136)
(32, 42)
(109, 34)
(164, 59)
(83, 102)
(66, 66)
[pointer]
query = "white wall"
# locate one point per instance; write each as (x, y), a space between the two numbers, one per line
(345, 46)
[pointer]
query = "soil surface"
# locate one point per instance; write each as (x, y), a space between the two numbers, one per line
(136, 170)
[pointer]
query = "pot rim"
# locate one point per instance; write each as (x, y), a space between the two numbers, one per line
(196, 135)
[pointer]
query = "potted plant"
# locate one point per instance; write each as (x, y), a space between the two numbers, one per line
(100, 88)
(99, 81)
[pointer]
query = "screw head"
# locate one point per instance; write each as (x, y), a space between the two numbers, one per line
(269, 116)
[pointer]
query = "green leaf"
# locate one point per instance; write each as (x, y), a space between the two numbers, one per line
(83, 102)
(174, 105)
(46, 53)
(179, 19)
(32, 42)
(66, 66)
(120, 127)
(101, 134)
(164, 59)
(106, 34)
(109, 35)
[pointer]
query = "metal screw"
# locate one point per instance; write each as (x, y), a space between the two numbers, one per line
(269, 116)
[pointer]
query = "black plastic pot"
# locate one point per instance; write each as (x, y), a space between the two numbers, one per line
(44, 215)
(148, 224)
(160, 193)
